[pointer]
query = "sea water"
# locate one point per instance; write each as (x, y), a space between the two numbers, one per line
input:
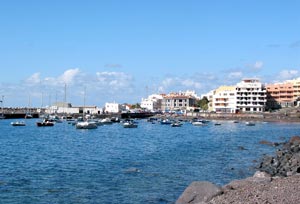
(150, 164)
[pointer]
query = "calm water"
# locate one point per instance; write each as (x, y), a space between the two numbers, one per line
(150, 164)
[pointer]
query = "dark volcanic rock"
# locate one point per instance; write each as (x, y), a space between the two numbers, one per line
(286, 161)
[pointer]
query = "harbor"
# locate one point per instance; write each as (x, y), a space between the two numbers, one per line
(152, 163)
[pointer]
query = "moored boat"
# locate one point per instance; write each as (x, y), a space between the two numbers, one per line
(176, 124)
(166, 122)
(106, 121)
(129, 124)
(86, 125)
(45, 123)
(250, 123)
(18, 123)
(198, 123)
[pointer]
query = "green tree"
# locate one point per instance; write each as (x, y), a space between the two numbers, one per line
(203, 103)
(135, 106)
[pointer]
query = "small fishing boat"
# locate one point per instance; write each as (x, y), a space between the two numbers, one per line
(198, 123)
(166, 122)
(176, 124)
(86, 125)
(250, 123)
(129, 124)
(106, 121)
(18, 123)
(45, 123)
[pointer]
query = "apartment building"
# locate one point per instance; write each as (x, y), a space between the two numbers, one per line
(250, 96)
(176, 101)
(224, 99)
(152, 103)
(296, 88)
(114, 108)
(280, 95)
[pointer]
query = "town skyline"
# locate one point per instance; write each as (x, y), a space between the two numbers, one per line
(122, 51)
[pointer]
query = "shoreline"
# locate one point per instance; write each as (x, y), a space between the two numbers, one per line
(276, 181)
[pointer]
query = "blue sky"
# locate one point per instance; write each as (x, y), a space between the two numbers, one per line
(122, 50)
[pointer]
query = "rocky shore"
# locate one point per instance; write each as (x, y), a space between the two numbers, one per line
(277, 181)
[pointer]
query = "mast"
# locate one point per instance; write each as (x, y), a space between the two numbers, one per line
(84, 93)
(65, 99)
(2, 114)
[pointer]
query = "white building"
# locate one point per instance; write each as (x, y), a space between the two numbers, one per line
(247, 96)
(152, 103)
(67, 108)
(209, 97)
(250, 96)
(189, 93)
(224, 100)
(114, 108)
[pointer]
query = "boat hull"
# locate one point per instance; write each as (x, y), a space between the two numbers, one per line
(44, 124)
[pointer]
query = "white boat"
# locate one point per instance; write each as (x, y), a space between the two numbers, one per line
(129, 124)
(86, 125)
(250, 123)
(106, 121)
(45, 123)
(198, 123)
(166, 122)
(18, 123)
(176, 124)
(28, 116)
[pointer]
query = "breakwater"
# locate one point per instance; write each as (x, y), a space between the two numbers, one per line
(76, 115)
(18, 115)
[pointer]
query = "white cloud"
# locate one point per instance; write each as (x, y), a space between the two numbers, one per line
(113, 80)
(176, 84)
(191, 84)
(288, 74)
(235, 75)
(33, 79)
(168, 82)
(121, 87)
(258, 65)
(68, 76)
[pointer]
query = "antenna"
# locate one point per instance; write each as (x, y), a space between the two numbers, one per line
(65, 97)
(147, 89)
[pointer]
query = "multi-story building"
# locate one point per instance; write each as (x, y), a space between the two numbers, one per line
(296, 88)
(280, 95)
(250, 96)
(209, 97)
(224, 99)
(67, 108)
(177, 101)
(114, 108)
(152, 103)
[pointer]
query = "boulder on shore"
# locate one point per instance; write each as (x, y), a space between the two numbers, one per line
(286, 161)
(199, 192)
